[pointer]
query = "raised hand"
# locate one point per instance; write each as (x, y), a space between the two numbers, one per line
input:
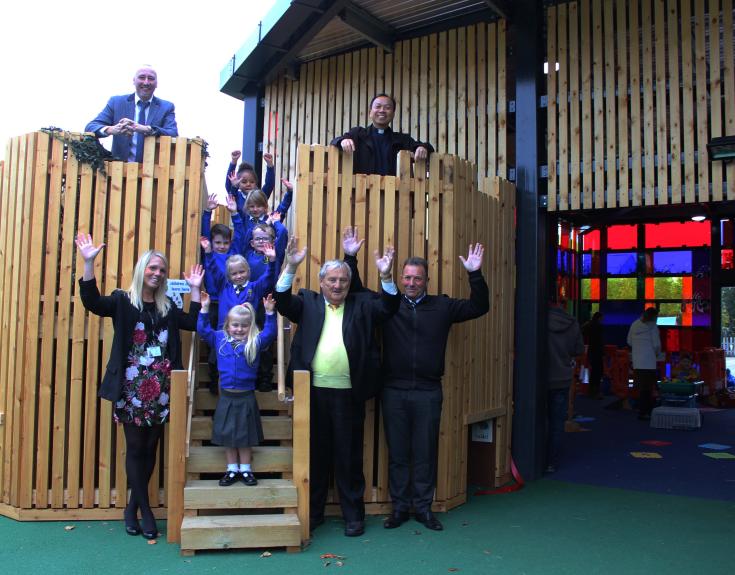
(474, 258)
(269, 251)
(347, 145)
(212, 202)
(351, 243)
(204, 296)
(269, 304)
(268, 159)
(274, 216)
(235, 156)
(86, 247)
(234, 179)
(294, 255)
(231, 204)
(420, 153)
(195, 276)
(287, 184)
(384, 263)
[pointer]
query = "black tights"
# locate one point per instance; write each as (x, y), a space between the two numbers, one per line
(140, 459)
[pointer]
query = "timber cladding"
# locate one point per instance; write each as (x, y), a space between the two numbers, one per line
(434, 214)
(450, 89)
(642, 86)
(59, 447)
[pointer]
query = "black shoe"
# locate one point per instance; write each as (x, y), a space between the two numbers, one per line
(395, 519)
(354, 528)
(152, 531)
(132, 528)
(429, 521)
(229, 478)
(248, 478)
(315, 522)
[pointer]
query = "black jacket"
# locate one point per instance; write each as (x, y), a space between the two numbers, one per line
(565, 343)
(124, 317)
(362, 313)
(364, 160)
(415, 338)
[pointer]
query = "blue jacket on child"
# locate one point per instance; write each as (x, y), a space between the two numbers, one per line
(238, 239)
(234, 371)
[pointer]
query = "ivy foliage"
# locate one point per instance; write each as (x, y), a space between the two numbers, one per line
(86, 148)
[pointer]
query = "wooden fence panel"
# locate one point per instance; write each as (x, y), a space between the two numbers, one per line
(650, 99)
(436, 217)
(66, 456)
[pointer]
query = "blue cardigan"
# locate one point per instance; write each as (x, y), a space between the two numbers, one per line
(234, 371)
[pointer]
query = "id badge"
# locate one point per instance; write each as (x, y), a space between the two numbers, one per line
(154, 351)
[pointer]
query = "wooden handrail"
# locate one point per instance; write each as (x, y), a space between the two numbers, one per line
(301, 452)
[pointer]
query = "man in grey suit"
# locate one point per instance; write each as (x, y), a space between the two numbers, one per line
(131, 118)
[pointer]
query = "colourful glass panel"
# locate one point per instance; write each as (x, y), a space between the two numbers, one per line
(622, 237)
(678, 262)
(668, 288)
(621, 312)
(670, 340)
(591, 289)
(650, 289)
(622, 288)
(624, 263)
(591, 241)
(726, 259)
(586, 264)
(677, 234)
(686, 288)
(727, 234)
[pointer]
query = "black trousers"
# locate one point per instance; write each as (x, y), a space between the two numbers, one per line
(595, 375)
(645, 380)
(411, 418)
(337, 422)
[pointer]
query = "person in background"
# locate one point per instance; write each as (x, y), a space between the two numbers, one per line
(145, 348)
(131, 118)
(565, 343)
(645, 342)
(593, 334)
(375, 147)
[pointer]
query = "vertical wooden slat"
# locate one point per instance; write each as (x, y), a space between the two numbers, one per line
(649, 121)
(552, 108)
(700, 54)
(674, 109)
(609, 103)
(662, 180)
(433, 112)
(471, 95)
(599, 107)
(423, 108)
(461, 93)
(575, 141)
(587, 120)
(483, 103)
(441, 145)
(324, 102)
(452, 95)
(492, 100)
(332, 92)
(310, 87)
(715, 83)
(502, 101)
(316, 247)
(634, 50)
(622, 89)
(563, 107)
(688, 124)
(728, 78)
(404, 207)
(332, 240)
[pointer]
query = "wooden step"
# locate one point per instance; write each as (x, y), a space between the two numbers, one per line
(211, 459)
(267, 401)
(275, 427)
(269, 493)
(240, 531)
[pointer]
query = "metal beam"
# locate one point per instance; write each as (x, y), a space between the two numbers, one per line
(368, 26)
(498, 6)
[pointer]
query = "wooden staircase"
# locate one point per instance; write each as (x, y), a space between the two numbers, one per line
(203, 515)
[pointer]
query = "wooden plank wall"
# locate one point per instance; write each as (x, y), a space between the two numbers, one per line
(59, 448)
(661, 83)
(435, 217)
(450, 89)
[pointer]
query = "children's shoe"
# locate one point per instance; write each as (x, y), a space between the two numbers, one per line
(248, 478)
(229, 478)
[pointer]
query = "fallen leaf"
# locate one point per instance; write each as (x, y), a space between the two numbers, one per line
(486, 551)
(266, 554)
(339, 563)
(453, 569)
(152, 541)
(69, 527)
(330, 556)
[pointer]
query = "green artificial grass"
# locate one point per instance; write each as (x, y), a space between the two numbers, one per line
(548, 528)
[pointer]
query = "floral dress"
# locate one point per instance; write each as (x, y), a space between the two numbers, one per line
(145, 398)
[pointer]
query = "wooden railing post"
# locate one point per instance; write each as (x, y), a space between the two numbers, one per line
(177, 454)
(301, 453)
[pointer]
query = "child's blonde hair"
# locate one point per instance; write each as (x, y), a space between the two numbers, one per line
(244, 313)
(233, 260)
(135, 291)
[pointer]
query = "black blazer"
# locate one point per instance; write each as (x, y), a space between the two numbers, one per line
(124, 317)
(363, 312)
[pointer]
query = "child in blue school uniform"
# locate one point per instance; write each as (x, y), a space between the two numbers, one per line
(240, 182)
(236, 424)
(234, 286)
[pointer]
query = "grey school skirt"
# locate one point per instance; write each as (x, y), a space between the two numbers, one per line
(237, 420)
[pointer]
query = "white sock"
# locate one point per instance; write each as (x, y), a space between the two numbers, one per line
(244, 467)
(232, 467)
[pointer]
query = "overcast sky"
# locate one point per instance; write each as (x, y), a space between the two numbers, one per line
(63, 60)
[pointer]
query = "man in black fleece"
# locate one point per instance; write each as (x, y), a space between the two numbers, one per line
(375, 147)
(414, 344)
